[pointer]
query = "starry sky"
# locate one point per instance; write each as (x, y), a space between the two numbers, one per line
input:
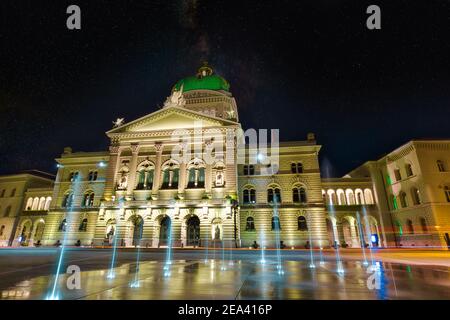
(298, 66)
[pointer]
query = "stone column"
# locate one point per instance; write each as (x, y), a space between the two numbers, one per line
(110, 184)
(157, 178)
(133, 167)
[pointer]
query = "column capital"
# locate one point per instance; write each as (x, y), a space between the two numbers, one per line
(134, 148)
(159, 146)
(114, 149)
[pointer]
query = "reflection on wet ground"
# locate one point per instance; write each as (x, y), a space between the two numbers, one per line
(245, 278)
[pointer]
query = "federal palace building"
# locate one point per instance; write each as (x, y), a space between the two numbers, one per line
(138, 194)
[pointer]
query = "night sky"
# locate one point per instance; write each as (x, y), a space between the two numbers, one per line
(301, 66)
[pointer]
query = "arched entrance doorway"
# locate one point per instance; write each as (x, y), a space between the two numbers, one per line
(193, 231)
(164, 231)
(330, 232)
(135, 229)
(25, 233)
(39, 231)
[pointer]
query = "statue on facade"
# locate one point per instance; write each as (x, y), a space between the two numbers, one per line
(176, 99)
(118, 122)
(123, 181)
(217, 233)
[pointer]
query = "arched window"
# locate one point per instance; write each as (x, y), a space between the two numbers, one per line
(440, 165)
(67, 200)
(63, 225)
(409, 170)
(13, 192)
(299, 195)
(249, 196)
(29, 204)
(2, 230)
(88, 199)
(332, 199)
(83, 225)
(409, 226)
(35, 205)
(73, 176)
(249, 170)
(145, 175)
(171, 173)
(250, 224)
(274, 195)
(196, 174)
(403, 200)
(301, 223)
(341, 197)
(41, 203)
(92, 175)
(7, 211)
(415, 194)
(447, 193)
(359, 196)
(297, 167)
(276, 223)
(350, 197)
(423, 224)
(368, 196)
(47, 203)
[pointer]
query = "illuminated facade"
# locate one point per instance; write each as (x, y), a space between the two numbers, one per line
(139, 193)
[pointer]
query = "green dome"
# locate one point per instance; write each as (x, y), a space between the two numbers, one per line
(205, 80)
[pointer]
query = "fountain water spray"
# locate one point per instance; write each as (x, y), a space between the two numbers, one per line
(223, 268)
(135, 283)
(277, 228)
(111, 273)
(206, 252)
(54, 294)
(368, 233)
(168, 251)
(311, 255)
(361, 239)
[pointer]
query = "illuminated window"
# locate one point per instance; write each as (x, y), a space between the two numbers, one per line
(3, 193)
(196, 178)
(145, 173)
(399, 228)
(440, 165)
(394, 202)
(250, 224)
(13, 192)
(301, 223)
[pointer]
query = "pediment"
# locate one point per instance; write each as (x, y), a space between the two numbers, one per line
(171, 119)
